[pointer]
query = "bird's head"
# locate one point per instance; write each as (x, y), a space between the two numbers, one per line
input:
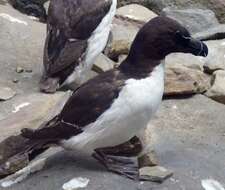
(162, 36)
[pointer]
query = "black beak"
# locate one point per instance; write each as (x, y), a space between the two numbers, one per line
(198, 48)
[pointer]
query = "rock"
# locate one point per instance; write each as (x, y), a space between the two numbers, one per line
(76, 184)
(185, 59)
(28, 70)
(195, 20)
(103, 63)
(217, 6)
(180, 80)
(208, 184)
(216, 57)
(3, 2)
(15, 80)
(217, 91)
(136, 12)
(149, 159)
(6, 93)
(125, 2)
(155, 174)
(213, 33)
(124, 31)
(19, 69)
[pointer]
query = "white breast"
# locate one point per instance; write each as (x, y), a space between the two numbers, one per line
(96, 44)
(129, 113)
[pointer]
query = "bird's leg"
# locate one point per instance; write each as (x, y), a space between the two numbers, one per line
(127, 166)
(130, 148)
(121, 159)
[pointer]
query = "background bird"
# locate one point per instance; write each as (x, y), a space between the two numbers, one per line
(106, 116)
(77, 32)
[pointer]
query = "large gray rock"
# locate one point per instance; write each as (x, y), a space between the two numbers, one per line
(217, 6)
(217, 91)
(195, 20)
(184, 75)
(187, 60)
(3, 2)
(213, 33)
(216, 57)
(136, 12)
(180, 80)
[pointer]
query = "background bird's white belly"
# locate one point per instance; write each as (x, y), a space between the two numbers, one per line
(129, 113)
(96, 44)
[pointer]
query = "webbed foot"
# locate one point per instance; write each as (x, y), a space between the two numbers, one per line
(126, 166)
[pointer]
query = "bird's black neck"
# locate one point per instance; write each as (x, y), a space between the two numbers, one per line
(138, 67)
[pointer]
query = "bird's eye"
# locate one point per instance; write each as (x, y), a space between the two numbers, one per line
(181, 38)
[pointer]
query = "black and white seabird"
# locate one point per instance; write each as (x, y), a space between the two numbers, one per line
(116, 106)
(77, 32)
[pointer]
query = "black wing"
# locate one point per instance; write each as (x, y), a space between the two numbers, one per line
(70, 24)
(85, 105)
(93, 98)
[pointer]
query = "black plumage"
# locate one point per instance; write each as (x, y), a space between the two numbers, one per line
(70, 24)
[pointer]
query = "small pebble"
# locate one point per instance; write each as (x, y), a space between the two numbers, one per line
(211, 184)
(15, 80)
(19, 69)
(29, 70)
(76, 183)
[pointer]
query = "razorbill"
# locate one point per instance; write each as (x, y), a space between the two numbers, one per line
(77, 32)
(116, 106)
